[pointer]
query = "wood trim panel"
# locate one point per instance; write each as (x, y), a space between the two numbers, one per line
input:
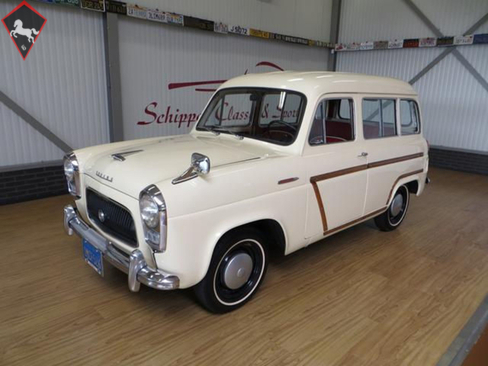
(338, 173)
(363, 218)
(321, 205)
(401, 177)
(357, 168)
(354, 169)
(394, 160)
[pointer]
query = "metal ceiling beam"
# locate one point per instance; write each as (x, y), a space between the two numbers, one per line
(112, 67)
(448, 51)
(34, 123)
(335, 21)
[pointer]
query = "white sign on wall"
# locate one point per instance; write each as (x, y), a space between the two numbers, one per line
(169, 74)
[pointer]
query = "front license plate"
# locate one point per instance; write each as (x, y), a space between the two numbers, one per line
(93, 257)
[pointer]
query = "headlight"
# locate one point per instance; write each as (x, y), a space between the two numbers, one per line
(153, 215)
(72, 173)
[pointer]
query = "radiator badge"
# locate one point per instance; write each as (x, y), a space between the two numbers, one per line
(104, 176)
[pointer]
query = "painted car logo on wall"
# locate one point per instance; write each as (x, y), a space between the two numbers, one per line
(216, 82)
(184, 119)
(24, 24)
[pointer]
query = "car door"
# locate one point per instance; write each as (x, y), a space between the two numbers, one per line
(390, 155)
(336, 167)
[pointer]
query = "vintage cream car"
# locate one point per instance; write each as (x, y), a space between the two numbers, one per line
(276, 162)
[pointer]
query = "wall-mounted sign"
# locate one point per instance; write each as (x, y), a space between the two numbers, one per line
(380, 45)
(220, 27)
(67, 2)
(396, 43)
(175, 19)
(364, 46)
(445, 41)
(198, 23)
(156, 16)
(237, 29)
(258, 33)
(428, 42)
(118, 7)
(136, 11)
(354, 46)
(411, 43)
(463, 40)
(95, 5)
(480, 38)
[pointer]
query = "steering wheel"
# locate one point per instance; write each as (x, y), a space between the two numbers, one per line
(289, 135)
(277, 121)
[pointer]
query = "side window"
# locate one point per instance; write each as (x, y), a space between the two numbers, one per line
(409, 117)
(379, 118)
(333, 122)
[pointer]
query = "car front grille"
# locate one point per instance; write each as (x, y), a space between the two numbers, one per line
(111, 217)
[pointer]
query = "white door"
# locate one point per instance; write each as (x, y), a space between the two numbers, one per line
(336, 167)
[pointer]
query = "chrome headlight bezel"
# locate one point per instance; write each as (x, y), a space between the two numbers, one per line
(154, 222)
(72, 174)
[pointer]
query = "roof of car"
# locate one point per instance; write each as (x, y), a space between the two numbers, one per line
(320, 82)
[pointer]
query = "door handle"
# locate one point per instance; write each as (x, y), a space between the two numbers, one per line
(363, 154)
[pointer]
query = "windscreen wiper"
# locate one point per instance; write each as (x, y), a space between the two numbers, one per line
(219, 130)
(211, 129)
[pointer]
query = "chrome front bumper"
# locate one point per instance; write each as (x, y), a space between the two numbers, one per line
(134, 264)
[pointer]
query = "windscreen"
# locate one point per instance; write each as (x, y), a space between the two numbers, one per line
(265, 114)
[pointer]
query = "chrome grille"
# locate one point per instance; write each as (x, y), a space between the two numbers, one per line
(111, 217)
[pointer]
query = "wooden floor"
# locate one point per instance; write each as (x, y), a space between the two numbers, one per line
(361, 297)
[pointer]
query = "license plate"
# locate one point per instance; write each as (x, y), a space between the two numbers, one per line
(93, 257)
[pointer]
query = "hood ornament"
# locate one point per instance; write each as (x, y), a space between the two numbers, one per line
(200, 165)
(104, 176)
(121, 156)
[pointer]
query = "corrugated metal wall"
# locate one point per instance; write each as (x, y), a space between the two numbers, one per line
(152, 57)
(301, 18)
(454, 103)
(62, 83)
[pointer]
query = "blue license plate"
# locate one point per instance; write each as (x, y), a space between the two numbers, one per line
(93, 257)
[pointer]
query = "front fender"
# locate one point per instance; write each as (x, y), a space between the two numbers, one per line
(193, 237)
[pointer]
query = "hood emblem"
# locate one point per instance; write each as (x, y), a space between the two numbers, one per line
(104, 176)
(101, 216)
(121, 156)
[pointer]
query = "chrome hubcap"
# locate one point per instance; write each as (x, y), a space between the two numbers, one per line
(238, 270)
(396, 205)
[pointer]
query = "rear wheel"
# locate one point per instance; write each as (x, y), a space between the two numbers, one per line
(236, 271)
(395, 214)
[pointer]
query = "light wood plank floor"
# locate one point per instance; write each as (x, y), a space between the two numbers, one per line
(361, 297)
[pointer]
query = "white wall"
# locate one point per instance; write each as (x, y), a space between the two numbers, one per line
(153, 56)
(61, 83)
(300, 18)
(454, 104)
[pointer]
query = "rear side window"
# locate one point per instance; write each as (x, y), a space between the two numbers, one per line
(333, 122)
(409, 117)
(379, 118)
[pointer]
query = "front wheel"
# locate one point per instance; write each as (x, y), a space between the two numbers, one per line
(236, 270)
(394, 215)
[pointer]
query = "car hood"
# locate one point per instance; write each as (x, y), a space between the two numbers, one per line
(144, 162)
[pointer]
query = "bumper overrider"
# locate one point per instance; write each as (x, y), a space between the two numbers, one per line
(134, 264)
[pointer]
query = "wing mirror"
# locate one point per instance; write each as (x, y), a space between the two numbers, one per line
(200, 165)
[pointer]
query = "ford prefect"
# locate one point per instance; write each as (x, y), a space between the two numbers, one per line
(276, 162)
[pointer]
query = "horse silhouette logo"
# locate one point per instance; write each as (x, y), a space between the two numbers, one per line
(23, 32)
(24, 24)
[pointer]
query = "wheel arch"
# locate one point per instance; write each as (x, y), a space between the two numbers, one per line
(271, 229)
(411, 181)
